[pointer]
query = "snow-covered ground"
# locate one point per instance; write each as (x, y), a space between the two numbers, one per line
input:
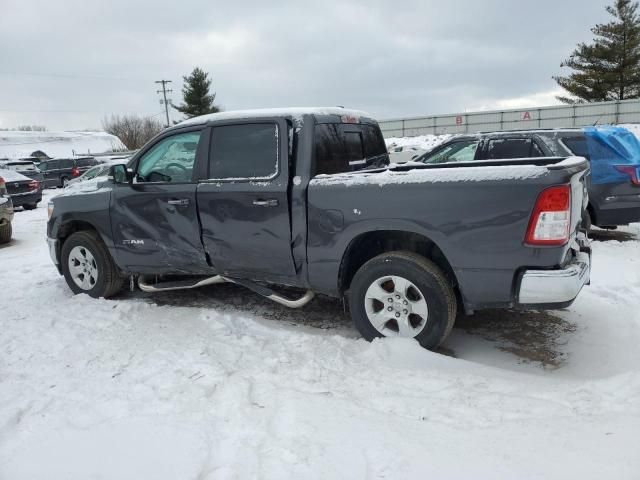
(221, 383)
(16, 144)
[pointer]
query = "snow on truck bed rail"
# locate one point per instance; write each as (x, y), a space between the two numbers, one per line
(478, 173)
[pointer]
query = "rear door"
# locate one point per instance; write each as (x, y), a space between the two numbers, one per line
(49, 172)
(154, 220)
(244, 204)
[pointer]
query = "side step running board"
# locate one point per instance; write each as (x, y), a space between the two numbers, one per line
(146, 286)
(276, 297)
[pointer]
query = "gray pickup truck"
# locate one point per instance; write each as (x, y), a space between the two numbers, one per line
(305, 198)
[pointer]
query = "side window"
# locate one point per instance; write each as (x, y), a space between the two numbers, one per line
(66, 164)
(170, 160)
(340, 149)
(246, 151)
(462, 151)
(54, 164)
(86, 162)
(506, 148)
(43, 166)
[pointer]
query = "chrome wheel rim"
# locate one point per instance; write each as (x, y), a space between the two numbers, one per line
(396, 307)
(83, 268)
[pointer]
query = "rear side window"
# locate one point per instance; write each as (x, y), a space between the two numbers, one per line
(577, 145)
(65, 164)
(343, 148)
(244, 151)
(85, 162)
(506, 148)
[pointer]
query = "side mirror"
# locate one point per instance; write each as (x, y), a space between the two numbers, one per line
(120, 174)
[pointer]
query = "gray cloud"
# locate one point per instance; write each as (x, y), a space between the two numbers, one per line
(67, 64)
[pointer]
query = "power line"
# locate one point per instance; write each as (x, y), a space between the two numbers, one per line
(164, 94)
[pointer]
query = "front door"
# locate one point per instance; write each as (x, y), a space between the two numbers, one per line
(244, 206)
(155, 219)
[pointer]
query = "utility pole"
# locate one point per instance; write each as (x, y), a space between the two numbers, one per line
(164, 95)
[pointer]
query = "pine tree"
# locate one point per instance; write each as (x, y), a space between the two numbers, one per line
(196, 96)
(609, 67)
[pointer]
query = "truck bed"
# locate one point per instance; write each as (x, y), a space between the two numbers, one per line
(475, 213)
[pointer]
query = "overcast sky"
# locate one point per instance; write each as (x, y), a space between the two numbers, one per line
(68, 63)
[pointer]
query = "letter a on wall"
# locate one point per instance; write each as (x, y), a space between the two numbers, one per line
(459, 120)
(526, 116)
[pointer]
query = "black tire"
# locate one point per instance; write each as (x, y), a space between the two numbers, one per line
(5, 232)
(108, 281)
(30, 206)
(62, 182)
(430, 282)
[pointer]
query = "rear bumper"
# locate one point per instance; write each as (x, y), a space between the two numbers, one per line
(618, 210)
(555, 288)
(26, 198)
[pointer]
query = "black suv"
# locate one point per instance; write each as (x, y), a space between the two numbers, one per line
(611, 203)
(59, 171)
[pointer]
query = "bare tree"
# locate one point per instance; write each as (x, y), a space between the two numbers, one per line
(133, 130)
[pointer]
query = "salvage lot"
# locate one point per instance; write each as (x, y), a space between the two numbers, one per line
(221, 383)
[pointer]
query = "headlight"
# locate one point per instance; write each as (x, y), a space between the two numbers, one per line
(50, 209)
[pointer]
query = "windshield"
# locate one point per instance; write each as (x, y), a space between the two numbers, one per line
(460, 151)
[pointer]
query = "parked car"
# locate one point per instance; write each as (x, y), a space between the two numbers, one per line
(26, 167)
(303, 198)
(24, 191)
(6, 212)
(95, 173)
(614, 183)
(59, 171)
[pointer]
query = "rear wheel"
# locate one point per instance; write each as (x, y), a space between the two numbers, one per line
(88, 267)
(402, 294)
(5, 232)
(64, 181)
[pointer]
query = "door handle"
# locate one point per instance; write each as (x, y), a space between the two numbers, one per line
(272, 202)
(180, 202)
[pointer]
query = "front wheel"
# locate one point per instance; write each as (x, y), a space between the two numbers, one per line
(30, 206)
(88, 267)
(402, 294)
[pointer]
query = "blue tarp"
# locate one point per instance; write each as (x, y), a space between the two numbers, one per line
(609, 146)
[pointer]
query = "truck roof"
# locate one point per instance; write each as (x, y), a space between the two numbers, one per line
(289, 112)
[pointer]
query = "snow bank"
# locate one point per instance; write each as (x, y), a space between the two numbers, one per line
(422, 142)
(195, 384)
(15, 144)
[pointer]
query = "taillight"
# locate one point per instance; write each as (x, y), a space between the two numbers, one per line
(34, 185)
(551, 217)
(3, 188)
(75, 171)
(632, 171)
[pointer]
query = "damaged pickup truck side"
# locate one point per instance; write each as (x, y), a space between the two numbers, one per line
(305, 198)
